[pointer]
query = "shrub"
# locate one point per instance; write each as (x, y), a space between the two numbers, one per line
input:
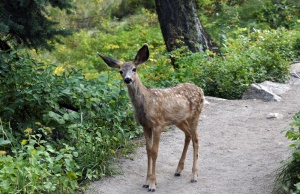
(288, 178)
(251, 58)
(129, 7)
(117, 39)
(37, 167)
(253, 14)
(92, 118)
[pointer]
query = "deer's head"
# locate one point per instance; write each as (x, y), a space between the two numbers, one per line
(128, 70)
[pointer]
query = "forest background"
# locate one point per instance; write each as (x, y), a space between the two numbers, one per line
(65, 116)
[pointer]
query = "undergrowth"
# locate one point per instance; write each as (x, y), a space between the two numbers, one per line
(288, 177)
(251, 58)
(59, 130)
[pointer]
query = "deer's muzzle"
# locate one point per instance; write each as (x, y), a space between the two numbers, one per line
(128, 80)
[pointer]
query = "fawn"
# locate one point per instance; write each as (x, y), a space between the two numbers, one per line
(155, 109)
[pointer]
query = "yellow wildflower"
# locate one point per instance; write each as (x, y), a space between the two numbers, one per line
(38, 123)
(112, 46)
(153, 60)
(47, 129)
(112, 151)
(28, 130)
(59, 70)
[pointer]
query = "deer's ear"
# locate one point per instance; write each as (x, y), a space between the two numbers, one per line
(115, 63)
(142, 55)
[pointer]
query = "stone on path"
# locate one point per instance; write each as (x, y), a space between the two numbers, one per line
(274, 116)
(266, 91)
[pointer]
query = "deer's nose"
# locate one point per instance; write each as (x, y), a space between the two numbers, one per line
(127, 80)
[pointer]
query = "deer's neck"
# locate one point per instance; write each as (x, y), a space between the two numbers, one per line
(138, 93)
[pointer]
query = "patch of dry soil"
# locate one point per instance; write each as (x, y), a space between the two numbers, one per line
(240, 151)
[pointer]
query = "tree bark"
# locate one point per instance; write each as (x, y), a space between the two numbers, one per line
(181, 26)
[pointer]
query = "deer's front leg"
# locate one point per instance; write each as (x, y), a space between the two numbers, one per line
(148, 137)
(154, 154)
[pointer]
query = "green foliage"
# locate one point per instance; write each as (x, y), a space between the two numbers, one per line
(86, 15)
(221, 18)
(248, 59)
(93, 118)
(27, 23)
(89, 15)
(288, 179)
(280, 13)
(249, 55)
(117, 39)
(129, 7)
(37, 167)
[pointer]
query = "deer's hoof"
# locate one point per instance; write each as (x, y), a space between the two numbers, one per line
(177, 174)
(145, 186)
(193, 181)
(151, 190)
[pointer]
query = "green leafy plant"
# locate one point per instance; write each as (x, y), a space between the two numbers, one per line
(91, 118)
(37, 167)
(251, 58)
(288, 178)
(118, 39)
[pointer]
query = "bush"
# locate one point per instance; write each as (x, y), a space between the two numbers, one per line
(80, 116)
(117, 39)
(37, 167)
(288, 178)
(253, 14)
(251, 58)
(129, 7)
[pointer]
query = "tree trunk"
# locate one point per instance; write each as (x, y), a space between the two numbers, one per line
(181, 26)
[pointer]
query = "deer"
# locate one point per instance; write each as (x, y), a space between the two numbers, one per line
(156, 108)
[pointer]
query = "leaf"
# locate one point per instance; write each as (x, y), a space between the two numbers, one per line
(37, 98)
(56, 117)
(74, 114)
(66, 91)
(24, 142)
(66, 116)
(75, 154)
(60, 156)
(50, 148)
(72, 175)
(4, 142)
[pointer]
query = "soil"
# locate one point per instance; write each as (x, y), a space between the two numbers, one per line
(239, 153)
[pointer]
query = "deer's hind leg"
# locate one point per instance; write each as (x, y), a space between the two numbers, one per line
(194, 133)
(184, 126)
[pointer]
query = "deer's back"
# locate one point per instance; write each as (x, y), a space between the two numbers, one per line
(171, 105)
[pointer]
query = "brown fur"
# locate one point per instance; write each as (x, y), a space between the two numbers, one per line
(155, 109)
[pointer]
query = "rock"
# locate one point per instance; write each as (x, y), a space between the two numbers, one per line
(258, 91)
(274, 116)
(267, 91)
(276, 88)
(295, 67)
(295, 73)
(270, 91)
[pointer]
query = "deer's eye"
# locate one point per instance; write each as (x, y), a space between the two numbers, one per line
(134, 69)
(121, 72)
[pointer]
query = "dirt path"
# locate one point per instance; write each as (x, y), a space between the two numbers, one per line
(240, 150)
